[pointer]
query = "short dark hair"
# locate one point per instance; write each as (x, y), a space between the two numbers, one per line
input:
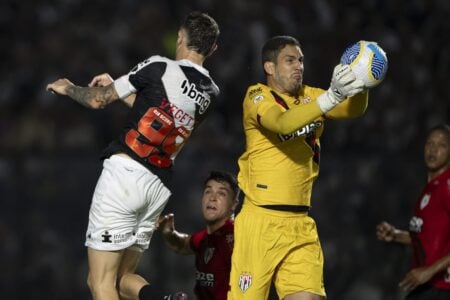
(202, 31)
(273, 46)
(222, 176)
(440, 127)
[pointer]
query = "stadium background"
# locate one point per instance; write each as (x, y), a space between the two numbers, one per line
(49, 146)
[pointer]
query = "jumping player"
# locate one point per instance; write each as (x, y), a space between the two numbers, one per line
(168, 99)
(429, 228)
(212, 246)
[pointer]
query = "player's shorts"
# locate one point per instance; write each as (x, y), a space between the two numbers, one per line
(127, 202)
(274, 245)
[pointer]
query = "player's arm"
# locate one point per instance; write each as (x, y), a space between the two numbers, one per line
(388, 233)
(177, 241)
(104, 80)
(421, 275)
(91, 97)
(343, 85)
(351, 108)
(286, 122)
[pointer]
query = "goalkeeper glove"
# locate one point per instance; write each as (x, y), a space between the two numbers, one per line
(343, 85)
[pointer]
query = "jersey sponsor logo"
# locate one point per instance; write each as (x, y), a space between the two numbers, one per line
(106, 237)
(425, 200)
(204, 279)
(255, 91)
(308, 129)
(415, 224)
(245, 281)
(201, 99)
(209, 252)
(255, 95)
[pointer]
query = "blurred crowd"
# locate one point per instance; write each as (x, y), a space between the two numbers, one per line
(50, 146)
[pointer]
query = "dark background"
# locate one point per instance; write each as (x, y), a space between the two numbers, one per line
(371, 167)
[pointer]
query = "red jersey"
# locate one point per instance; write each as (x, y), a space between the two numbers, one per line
(430, 227)
(213, 262)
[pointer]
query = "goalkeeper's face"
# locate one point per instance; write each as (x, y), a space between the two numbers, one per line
(218, 202)
(288, 70)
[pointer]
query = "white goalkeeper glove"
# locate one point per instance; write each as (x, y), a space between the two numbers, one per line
(343, 85)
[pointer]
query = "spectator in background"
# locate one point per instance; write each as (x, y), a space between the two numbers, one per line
(429, 228)
(168, 99)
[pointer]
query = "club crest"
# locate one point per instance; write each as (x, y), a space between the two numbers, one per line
(209, 252)
(245, 281)
(424, 202)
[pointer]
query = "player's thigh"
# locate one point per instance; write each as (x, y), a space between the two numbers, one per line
(254, 259)
(157, 195)
(128, 281)
(301, 270)
(103, 266)
(129, 262)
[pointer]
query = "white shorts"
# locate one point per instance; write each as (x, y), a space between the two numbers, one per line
(127, 202)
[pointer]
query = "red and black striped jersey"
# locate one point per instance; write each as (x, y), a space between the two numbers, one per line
(213, 262)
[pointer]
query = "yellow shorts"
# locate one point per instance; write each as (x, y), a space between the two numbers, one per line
(276, 246)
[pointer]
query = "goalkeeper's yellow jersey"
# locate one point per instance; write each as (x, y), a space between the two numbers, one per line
(278, 169)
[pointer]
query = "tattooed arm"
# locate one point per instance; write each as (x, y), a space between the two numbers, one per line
(91, 97)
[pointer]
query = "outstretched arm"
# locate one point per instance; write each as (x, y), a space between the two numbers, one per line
(344, 85)
(419, 276)
(91, 97)
(354, 107)
(177, 241)
(388, 233)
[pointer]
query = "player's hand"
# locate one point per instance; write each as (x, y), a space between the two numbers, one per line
(385, 232)
(414, 278)
(59, 86)
(101, 80)
(166, 224)
(344, 83)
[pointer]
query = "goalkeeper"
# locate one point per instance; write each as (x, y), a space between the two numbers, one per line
(275, 239)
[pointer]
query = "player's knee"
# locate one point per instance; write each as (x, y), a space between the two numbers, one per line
(89, 282)
(98, 287)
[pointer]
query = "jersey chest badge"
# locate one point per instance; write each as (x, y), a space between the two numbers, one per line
(209, 252)
(425, 200)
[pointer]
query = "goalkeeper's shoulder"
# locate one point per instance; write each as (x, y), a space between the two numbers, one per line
(312, 92)
(257, 92)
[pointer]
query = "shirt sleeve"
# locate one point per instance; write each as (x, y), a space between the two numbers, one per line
(123, 86)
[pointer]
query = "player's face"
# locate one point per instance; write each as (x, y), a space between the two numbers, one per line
(217, 201)
(289, 69)
(437, 151)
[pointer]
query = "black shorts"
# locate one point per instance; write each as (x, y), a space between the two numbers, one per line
(428, 292)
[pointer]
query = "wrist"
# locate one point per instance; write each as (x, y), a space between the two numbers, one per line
(327, 101)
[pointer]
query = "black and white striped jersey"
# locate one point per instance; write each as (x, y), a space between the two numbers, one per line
(172, 98)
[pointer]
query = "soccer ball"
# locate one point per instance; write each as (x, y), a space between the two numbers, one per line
(368, 61)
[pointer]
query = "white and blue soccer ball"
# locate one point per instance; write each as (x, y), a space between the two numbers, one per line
(368, 61)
